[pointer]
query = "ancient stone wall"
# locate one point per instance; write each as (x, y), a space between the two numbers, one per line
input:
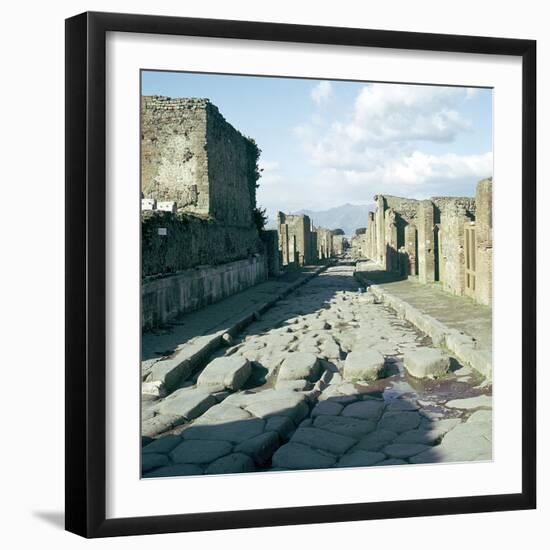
(484, 237)
(426, 239)
(270, 238)
(192, 156)
(191, 241)
(295, 239)
(165, 298)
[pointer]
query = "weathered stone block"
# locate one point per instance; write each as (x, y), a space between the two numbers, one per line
(186, 403)
(225, 372)
(299, 366)
(366, 365)
(427, 363)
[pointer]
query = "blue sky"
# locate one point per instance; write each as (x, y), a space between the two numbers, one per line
(327, 143)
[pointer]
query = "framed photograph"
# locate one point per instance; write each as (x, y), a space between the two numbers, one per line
(300, 279)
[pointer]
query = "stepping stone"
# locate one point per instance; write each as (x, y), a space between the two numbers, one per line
(225, 372)
(351, 427)
(163, 444)
(299, 366)
(324, 440)
(360, 458)
(327, 407)
(187, 403)
(294, 456)
(400, 421)
(260, 448)
(485, 401)
(175, 470)
(427, 363)
(236, 431)
(369, 409)
(200, 452)
(376, 440)
(364, 365)
(404, 450)
(235, 463)
(150, 461)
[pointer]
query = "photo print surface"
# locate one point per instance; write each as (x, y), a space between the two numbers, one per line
(316, 274)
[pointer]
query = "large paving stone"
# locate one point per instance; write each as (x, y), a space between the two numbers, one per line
(399, 421)
(483, 416)
(149, 461)
(364, 365)
(283, 425)
(223, 413)
(428, 433)
(225, 372)
(293, 407)
(236, 431)
(348, 426)
(199, 451)
(163, 444)
(404, 450)
(427, 363)
(299, 366)
(235, 463)
(160, 424)
(376, 440)
(467, 442)
(481, 401)
(187, 403)
(293, 385)
(174, 470)
(327, 407)
(323, 440)
(260, 448)
(294, 456)
(360, 458)
(370, 409)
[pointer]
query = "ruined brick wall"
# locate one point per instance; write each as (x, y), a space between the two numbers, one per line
(426, 239)
(231, 171)
(484, 238)
(193, 156)
(270, 238)
(453, 214)
(174, 163)
(191, 241)
(295, 239)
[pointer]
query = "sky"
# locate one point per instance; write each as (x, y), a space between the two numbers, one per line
(328, 143)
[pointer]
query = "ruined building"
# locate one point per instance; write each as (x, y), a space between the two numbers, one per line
(200, 242)
(443, 239)
(301, 243)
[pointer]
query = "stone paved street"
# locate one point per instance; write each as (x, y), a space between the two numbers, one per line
(321, 379)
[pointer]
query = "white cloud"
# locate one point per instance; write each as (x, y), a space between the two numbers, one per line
(322, 92)
(380, 146)
(270, 172)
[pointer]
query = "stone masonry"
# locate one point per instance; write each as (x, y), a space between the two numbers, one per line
(427, 239)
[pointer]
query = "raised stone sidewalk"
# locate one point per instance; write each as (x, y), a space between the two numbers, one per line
(453, 322)
(166, 361)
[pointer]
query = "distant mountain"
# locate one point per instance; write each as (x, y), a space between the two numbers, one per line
(348, 217)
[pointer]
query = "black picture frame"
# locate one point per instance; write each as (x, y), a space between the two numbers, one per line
(86, 263)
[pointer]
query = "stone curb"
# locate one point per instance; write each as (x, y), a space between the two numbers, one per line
(457, 342)
(176, 369)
